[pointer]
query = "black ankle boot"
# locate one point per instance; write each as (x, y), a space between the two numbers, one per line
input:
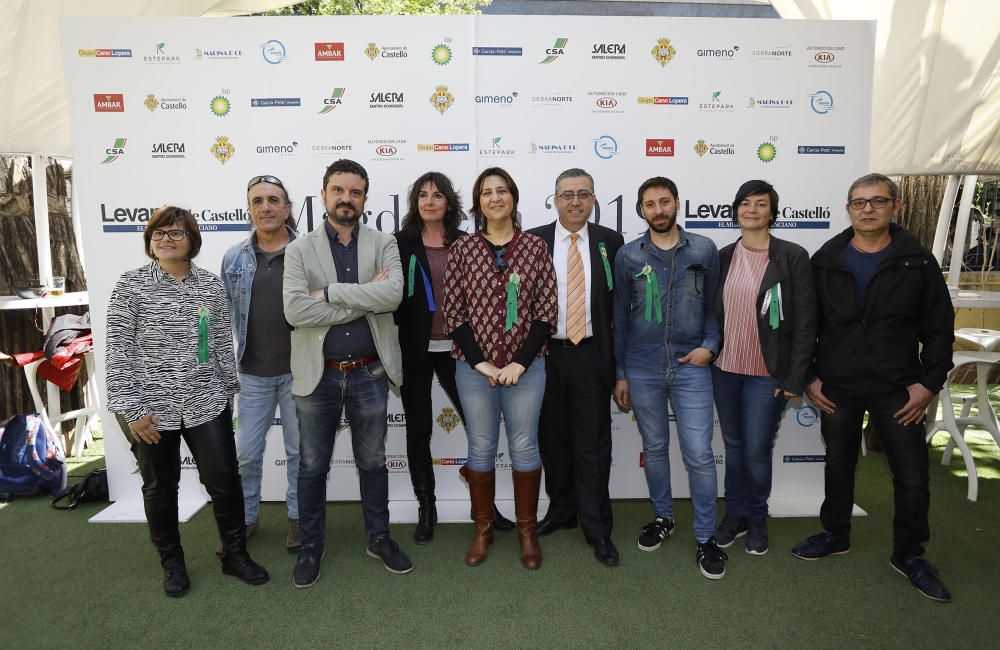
(176, 582)
(243, 567)
(426, 518)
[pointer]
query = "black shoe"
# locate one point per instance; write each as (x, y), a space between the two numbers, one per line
(711, 560)
(501, 523)
(306, 571)
(757, 538)
(426, 518)
(821, 545)
(244, 568)
(548, 525)
(655, 532)
(922, 575)
(176, 582)
(605, 552)
(731, 529)
(393, 558)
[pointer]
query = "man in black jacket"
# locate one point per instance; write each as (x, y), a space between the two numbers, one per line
(574, 431)
(881, 297)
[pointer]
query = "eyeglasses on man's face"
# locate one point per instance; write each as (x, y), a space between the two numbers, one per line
(172, 235)
(581, 195)
(273, 180)
(878, 202)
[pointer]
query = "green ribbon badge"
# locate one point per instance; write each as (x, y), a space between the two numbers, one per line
(652, 294)
(774, 307)
(409, 277)
(513, 289)
(607, 266)
(203, 335)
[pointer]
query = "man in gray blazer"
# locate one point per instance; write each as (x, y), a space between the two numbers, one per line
(342, 283)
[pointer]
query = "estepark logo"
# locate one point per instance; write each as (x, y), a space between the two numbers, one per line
(165, 104)
(554, 52)
(329, 51)
(497, 149)
(273, 51)
(386, 99)
(105, 53)
(769, 102)
(607, 52)
(716, 104)
(772, 53)
(442, 99)
(115, 151)
(441, 53)
(374, 52)
(660, 147)
(821, 149)
(497, 51)
(217, 54)
(606, 147)
(387, 149)
(607, 101)
(167, 150)
(220, 104)
(723, 149)
(161, 55)
(718, 54)
(719, 216)
(551, 147)
(275, 102)
(502, 100)
(663, 51)
(821, 102)
(661, 100)
(110, 103)
(335, 99)
(443, 148)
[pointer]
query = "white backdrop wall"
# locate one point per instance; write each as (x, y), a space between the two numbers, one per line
(184, 111)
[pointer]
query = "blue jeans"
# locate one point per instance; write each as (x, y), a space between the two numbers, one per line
(256, 402)
(749, 415)
(520, 405)
(363, 394)
(688, 388)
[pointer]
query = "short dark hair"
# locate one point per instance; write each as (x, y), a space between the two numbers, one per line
(574, 172)
(413, 223)
(170, 215)
(656, 181)
(477, 188)
(875, 179)
(755, 188)
(345, 166)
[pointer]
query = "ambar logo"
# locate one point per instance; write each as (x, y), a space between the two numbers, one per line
(112, 103)
(329, 51)
(659, 146)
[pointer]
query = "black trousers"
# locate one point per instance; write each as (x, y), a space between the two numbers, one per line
(905, 449)
(574, 438)
(213, 445)
(416, 396)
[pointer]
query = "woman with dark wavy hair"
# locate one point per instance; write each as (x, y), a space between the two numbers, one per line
(430, 227)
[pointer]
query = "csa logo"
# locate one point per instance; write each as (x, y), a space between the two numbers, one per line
(663, 52)
(333, 101)
(223, 150)
(448, 419)
(151, 102)
(115, 152)
(700, 148)
(114, 103)
(220, 105)
(553, 52)
(371, 51)
(441, 54)
(766, 152)
(273, 51)
(442, 99)
(329, 51)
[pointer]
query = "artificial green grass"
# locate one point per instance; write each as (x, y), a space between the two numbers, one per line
(65, 583)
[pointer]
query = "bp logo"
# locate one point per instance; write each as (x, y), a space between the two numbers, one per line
(441, 54)
(766, 152)
(663, 51)
(151, 102)
(220, 106)
(442, 99)
(807, 416)
(223, 150)
(448, 419)
(700, 148)
(371, 51)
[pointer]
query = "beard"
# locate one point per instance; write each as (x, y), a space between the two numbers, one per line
(345, 214)
(662, 227)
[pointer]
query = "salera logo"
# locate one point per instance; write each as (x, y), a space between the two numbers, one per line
(167, 150)
(552, 53)
(659, 146)
(333, 101)
(113, 103)
(114, 152)
(223, 150)
(329, 51)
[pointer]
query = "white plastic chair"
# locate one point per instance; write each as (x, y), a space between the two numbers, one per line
(84, 417)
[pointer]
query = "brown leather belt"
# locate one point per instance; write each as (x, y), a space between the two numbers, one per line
(353, 364)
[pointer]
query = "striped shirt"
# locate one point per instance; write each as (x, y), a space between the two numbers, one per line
(152, 347)
(741, 351)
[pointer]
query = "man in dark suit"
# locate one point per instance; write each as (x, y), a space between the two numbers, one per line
(574, 431)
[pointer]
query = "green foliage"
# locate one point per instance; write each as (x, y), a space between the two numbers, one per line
(379, 7)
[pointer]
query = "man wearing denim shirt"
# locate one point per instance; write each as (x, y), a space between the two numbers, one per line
(252, 272)
(666, 335)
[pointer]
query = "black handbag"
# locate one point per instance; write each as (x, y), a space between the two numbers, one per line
(93, 487)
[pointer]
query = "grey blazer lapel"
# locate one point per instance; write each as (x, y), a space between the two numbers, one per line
(321, 247)
(366, 254)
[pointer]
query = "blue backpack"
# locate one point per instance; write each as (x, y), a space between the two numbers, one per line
(31, 460)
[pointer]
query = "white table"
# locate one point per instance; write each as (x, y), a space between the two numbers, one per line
(975, 299)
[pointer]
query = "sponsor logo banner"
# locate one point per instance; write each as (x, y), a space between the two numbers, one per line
(497, 149)
(274, 102)
(273, 51)
(134, 218)
(720, 216)
(105, 53)
(821, 149)
(497, 51)
(821, 102)
(217, 54)
(164, 150)
(607, 52)
(660, 100)
(554, 52)
(329, 51)
(109, 103)
(457, 146)
(659, 146)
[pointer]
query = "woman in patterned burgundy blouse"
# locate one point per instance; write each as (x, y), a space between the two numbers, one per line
(500, 307)
(767, 312)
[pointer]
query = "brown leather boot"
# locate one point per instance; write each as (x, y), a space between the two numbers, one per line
(526, 486)
(482, 487)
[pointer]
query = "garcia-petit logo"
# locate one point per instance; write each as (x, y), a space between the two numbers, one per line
(109, 103)
(329, 51)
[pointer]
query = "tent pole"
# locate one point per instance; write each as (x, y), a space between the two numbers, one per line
(43, 244)
(944, 218)
(961, 230)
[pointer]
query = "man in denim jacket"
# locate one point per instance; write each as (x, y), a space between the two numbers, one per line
(252, 272)
(666, 335)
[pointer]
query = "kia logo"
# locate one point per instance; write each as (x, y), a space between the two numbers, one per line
(395, 463)
(386, 150)
(607, 102)
(824, 57)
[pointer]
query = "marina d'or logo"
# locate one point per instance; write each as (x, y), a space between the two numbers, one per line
(448, 419)
(766, 152)
(552, 53)
(223, 149)
(371, 51)
(114, 152)
(333, 101)
(441, 54)
(442, 99)
(151, 102)
(220, 106)
(663, 51)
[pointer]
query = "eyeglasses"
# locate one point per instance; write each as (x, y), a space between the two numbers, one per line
(582, 195)
(172, 235)
(499, 264)
(273, 180)
(878, 202)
